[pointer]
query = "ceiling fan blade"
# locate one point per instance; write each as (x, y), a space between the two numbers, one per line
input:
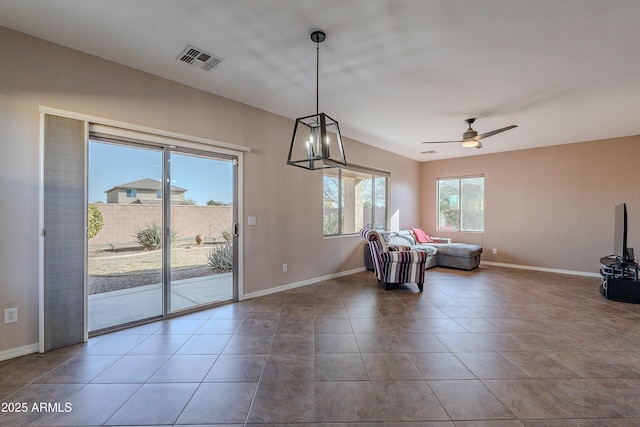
(438, 142)
(493, 132)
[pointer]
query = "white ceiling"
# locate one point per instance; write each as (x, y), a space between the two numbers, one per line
(392, 72)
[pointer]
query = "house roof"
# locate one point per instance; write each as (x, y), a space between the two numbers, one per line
(392, 72)
(145, 184)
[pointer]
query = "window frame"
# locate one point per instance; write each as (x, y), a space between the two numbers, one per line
(460, 179)
(374, 175)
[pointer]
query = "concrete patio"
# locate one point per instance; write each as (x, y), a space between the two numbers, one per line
(113, 308)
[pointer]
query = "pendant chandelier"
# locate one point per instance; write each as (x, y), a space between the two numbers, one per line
(316, 141)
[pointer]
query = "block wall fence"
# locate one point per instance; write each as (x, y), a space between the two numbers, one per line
(121, 222)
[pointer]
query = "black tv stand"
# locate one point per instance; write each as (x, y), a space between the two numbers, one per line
(619, 280)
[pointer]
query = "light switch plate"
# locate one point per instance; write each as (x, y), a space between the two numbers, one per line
(251, 220)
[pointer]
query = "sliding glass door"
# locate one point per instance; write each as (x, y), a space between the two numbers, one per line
(202, 234)
(125, 220)
(160, 231)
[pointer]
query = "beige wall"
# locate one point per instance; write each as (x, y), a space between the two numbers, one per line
(287, 201)
(548, 207)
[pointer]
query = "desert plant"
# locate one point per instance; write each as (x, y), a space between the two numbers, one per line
(95, 221)
(226, 235)
(151, 236)
(220, 258)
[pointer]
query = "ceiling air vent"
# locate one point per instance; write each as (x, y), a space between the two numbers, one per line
(199, 58)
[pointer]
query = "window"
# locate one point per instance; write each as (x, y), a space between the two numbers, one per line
(131, 192)
(461, 204)
(354, 198)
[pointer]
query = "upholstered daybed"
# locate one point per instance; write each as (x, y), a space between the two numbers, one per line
(446, 254)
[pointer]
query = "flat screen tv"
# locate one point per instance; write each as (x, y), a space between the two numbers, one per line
(620, 237)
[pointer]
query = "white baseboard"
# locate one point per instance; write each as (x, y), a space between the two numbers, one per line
(548, 270)
(17, 352)
(302, 283)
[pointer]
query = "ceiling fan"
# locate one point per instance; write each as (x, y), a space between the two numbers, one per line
(471, 138)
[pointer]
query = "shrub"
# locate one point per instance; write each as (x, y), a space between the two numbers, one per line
(151, 236)
(95, 221)
(220, 258)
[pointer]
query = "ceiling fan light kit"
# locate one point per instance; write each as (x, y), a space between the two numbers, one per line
(316, 142)
(470, 138)
(471, 143)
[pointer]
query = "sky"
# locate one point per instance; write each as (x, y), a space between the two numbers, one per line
(204, 178)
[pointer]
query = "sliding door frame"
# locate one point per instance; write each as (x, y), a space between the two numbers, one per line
(170, 141)
(170, 151)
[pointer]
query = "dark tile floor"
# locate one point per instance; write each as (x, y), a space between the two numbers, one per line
(491, 347)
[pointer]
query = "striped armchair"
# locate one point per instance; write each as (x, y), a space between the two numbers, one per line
(394, 263)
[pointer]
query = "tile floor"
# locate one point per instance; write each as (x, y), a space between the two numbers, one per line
(491, 347)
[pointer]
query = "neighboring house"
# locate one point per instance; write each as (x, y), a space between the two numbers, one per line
(145, 191)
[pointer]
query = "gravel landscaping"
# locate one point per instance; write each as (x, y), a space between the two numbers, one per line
(115, 282)
(124, 268)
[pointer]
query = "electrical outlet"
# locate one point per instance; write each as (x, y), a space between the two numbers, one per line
(10, 315)
(284, 268)
(495, 251)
